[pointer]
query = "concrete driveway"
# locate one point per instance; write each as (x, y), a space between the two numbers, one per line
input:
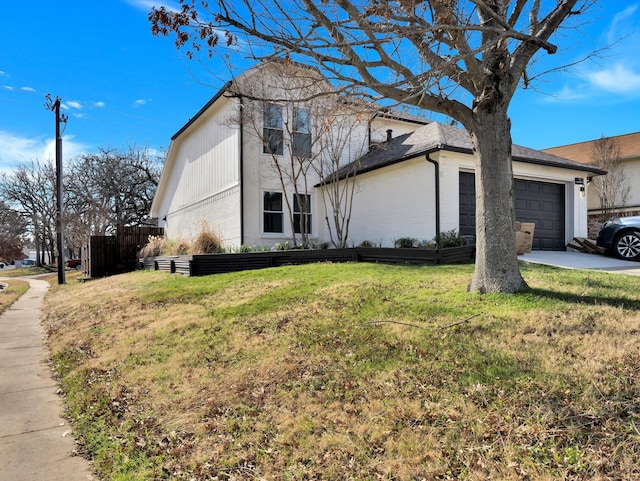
(579, 260)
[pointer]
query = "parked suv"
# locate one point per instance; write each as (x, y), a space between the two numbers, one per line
(621, 236)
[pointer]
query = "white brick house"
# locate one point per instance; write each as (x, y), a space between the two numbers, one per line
(219, 172)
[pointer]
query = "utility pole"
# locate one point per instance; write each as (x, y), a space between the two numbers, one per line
(54, 105)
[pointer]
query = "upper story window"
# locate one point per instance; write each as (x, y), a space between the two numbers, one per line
(301, 141)
(272, 137)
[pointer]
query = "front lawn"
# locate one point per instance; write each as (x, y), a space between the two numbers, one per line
(351, 371)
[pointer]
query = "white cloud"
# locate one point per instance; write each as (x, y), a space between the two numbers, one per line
(567, 94)
(622, 24)
(3, 74)
(617, 78)
(15, 149)
(8, 87)
(615, 70)
(74, 104)
(146, 5)
(98, 105)
(27, 89)
(141, 102)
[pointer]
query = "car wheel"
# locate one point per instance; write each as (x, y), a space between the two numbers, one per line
(627, 246)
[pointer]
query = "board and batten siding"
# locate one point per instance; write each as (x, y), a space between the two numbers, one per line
(204, 189)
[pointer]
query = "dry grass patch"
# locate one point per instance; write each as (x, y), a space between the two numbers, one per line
(352, 372)
(10, 294)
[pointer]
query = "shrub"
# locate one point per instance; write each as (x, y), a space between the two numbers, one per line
(283, 246)
(447, 239)
(207, 242)
(179, 248)
(450, 239)
(405, 242)
(156, 246)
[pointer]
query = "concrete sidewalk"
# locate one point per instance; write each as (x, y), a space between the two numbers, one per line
(35, 440)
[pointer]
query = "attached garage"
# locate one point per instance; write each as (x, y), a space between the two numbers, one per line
(542, 203)
(419, 183)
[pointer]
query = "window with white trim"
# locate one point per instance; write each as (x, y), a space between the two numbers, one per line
(302, 214)
(301, 136)
(272, 133)
(273, 214)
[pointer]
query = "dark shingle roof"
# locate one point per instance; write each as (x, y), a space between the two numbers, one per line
(435, 137)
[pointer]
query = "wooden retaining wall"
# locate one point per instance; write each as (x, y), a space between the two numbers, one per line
(207, 264)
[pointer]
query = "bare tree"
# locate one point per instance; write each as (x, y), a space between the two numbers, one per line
(30, 190)
(612, 189)
(341, 142)
(109, 189)
(461, 58)
(13, 233)
(307, 134)
(315, 134)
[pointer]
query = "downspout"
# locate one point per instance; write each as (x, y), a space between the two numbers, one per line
(241, 172)
(437, 192)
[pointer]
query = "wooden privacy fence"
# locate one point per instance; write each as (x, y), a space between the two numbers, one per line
(206, 264)
(107, 255)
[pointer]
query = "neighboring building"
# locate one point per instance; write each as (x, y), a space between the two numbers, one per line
(628, 146)
(220, 173)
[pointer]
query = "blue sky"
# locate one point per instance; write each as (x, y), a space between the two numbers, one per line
(121, 86)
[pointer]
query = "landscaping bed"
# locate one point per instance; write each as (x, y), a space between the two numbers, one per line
(207, 264)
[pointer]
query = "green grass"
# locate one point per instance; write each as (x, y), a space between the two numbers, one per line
(351, 371)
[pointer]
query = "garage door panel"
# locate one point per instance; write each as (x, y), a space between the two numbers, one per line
(467, 204)
(542, 203)
(547, 225)
(546, 208)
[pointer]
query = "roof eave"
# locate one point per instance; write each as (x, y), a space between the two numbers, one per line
(550, 163)
(464, 150)
(200, 112)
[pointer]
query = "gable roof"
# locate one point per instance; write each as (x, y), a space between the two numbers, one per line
(440, 137)
(629, 145)
(199, 113)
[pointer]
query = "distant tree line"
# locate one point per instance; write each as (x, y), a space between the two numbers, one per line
(101, 191)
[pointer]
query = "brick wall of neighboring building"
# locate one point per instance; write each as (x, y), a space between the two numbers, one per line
(583, 151)
(595, 221)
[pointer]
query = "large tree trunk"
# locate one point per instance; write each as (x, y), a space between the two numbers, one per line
(496, 259)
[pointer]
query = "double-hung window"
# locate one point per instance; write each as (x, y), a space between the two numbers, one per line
(302, 213)
(301, 140)
(272, 133)
(273, 214)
